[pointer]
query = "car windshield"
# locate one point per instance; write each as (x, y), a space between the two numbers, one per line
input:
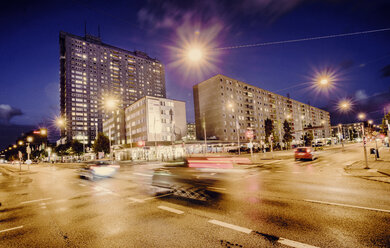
(301, 149)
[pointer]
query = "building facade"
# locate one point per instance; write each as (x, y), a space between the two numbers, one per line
(191, 132)
(91, 71)
(225, 106)
(149, 119)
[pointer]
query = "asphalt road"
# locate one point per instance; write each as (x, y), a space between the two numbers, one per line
(282, 203)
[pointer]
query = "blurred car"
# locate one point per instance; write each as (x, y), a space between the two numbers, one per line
(306, 153)
(199, 178)
(99, 169)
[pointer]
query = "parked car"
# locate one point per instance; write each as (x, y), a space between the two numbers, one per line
(306, 153)
(99, 169)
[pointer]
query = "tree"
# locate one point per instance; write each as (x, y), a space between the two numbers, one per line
(287, 136)
(384, 125)
(102, 144)
(308, 136)
(77, 147)
(269, 128)
(62, 150)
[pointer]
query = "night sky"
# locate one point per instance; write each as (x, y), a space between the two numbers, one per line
(29, 48)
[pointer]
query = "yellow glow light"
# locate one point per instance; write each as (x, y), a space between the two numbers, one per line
(194, 51)
(14, 146)
(43, 131)
(195, 54)
(344, 105)
(60, 122)
(20, 142)
(361, 116)
(29, 139)
(110, 103)
(324, 81)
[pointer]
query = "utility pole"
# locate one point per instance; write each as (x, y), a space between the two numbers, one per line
(238, 134)
(205, 135)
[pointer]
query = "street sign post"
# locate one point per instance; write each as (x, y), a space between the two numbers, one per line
(364, 147)
(20, 160)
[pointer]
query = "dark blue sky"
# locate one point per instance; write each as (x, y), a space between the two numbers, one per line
(29, 47)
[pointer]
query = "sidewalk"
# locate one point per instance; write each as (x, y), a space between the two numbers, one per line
(378, 170)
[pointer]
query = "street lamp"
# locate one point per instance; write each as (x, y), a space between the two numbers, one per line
(344, 105)
(28, 149)
(341, 135)
(20, 142)
(111, 104)
(230, 105)
(362, 116)
(195, 54)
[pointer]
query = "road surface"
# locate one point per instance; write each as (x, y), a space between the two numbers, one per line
(282, 203)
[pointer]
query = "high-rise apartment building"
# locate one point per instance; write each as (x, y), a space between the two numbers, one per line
(91, 71)
(222, 104)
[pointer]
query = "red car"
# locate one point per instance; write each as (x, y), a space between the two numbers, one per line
(305, 153)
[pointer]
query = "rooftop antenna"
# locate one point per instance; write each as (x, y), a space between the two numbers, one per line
(99, 31)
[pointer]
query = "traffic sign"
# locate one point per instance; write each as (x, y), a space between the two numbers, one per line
(249, 134)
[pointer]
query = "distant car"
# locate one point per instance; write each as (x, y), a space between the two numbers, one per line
(99, 169)
(306, 153)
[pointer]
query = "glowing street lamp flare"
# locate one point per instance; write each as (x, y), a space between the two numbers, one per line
(60, 122)
(362, 116)
(29, 139)
(370, 122)
(195, 54)
(110, 103)
(324, 81)
(20, 142)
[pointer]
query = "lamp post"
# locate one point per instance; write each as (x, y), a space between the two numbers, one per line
(205, 135)
(341, 135)
(237, 128)
(361, 117)
(111, 104)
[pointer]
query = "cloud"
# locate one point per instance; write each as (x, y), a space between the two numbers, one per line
(172, 13)
(7, 112)
(361, 95)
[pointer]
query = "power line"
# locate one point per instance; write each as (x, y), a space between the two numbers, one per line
(305, 39)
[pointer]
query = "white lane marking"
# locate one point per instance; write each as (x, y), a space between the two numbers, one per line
(347, 205)
(279, 171)
(296, 172)
(38, 200)
(10, 229)
(176, 211)
(135, 199)
(231, 226)
(142, 174)
(296, 244)
(82, 185)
